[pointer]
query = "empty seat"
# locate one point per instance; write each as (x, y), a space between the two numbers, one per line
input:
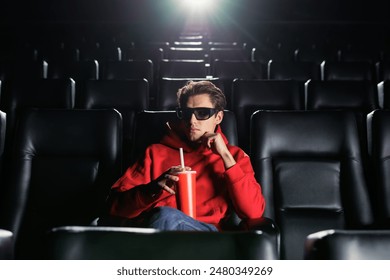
(23, 69)
(128, 70)
(63, 165)
(127, 96)
(384, 94)
(378, 123)
(228, 54)
(359, 96)
(382, 71)
(300, 71)
(6, 245)
(251, 95)
(100, 53)
(310, 167)
(2, 141)
(185, 53)
(347, 70)
(21, 94)
(168, 87)
(112, 243)
(348, 245)
(77, 70)
(183, 69)
(228, 70)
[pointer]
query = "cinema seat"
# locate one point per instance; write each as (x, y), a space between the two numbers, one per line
(6, 245)
(309, 164)
(114, 243)
(64, 163)
(348, 245)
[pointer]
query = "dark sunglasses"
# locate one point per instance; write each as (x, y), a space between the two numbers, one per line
(200, 113)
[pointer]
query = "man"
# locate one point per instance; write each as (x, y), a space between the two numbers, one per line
(145, 194)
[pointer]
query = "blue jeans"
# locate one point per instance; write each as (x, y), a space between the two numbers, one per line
(168, 219)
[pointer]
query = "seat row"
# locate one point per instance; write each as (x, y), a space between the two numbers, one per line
(153, 69)
(310, 165)
(244, 98)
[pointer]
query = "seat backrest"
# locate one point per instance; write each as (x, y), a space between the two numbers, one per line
(360, 96)
(182, 69)
(221, 53)
(168, 87)
(310, 167)
(185, 53)
(144, 136)
(2, 141)
(23, 69)
(296, 70)
(128, 70)
(348, 245)
(347, 70)
(378, 126)
(77, 70)
(249, 96)
(231, 69)
(109, 243)
(64, 163)
(6, 245)
(384, 94)
(127, 96)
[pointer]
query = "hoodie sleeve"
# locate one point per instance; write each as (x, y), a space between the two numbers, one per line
(128, 197)
(244, 190)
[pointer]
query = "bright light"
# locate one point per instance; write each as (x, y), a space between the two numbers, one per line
(198, 4)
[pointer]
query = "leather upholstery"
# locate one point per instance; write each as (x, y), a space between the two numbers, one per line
(183, 69)
(127, 96)
(77, 243)
(348, 245)
(6, 245)
(300, 71)
(310, 167)
(378, 123)
(2, 141)
(128, 70)
(77, 70)
(347, 70)
(359, 96)
(251, 95)
(64, 164)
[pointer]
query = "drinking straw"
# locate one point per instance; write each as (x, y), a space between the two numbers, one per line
(181, 157)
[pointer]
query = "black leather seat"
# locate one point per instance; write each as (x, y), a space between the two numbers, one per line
(6, 245)
(64, 164)
(19, 95)
(3, 120)
(378, 124)
(310, 167)
(296, 70)
(348, 245)
(127, 70)
(251, 95)
(229, 70)
(183, 69)
(347, 70)
(77, 70)
(112, 243)
(384, 94)
(127, 96)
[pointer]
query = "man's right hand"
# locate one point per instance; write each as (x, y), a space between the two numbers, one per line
(166, 181)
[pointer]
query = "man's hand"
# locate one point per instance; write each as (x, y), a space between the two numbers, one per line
(214, 141)
(167, 180)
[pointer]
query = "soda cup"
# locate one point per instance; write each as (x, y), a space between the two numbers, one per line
(186, 193)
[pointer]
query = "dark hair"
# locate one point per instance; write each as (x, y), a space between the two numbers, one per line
(192, 88)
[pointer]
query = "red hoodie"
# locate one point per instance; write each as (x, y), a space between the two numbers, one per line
(217, 189)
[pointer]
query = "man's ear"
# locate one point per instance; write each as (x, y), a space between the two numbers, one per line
(219, 117)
